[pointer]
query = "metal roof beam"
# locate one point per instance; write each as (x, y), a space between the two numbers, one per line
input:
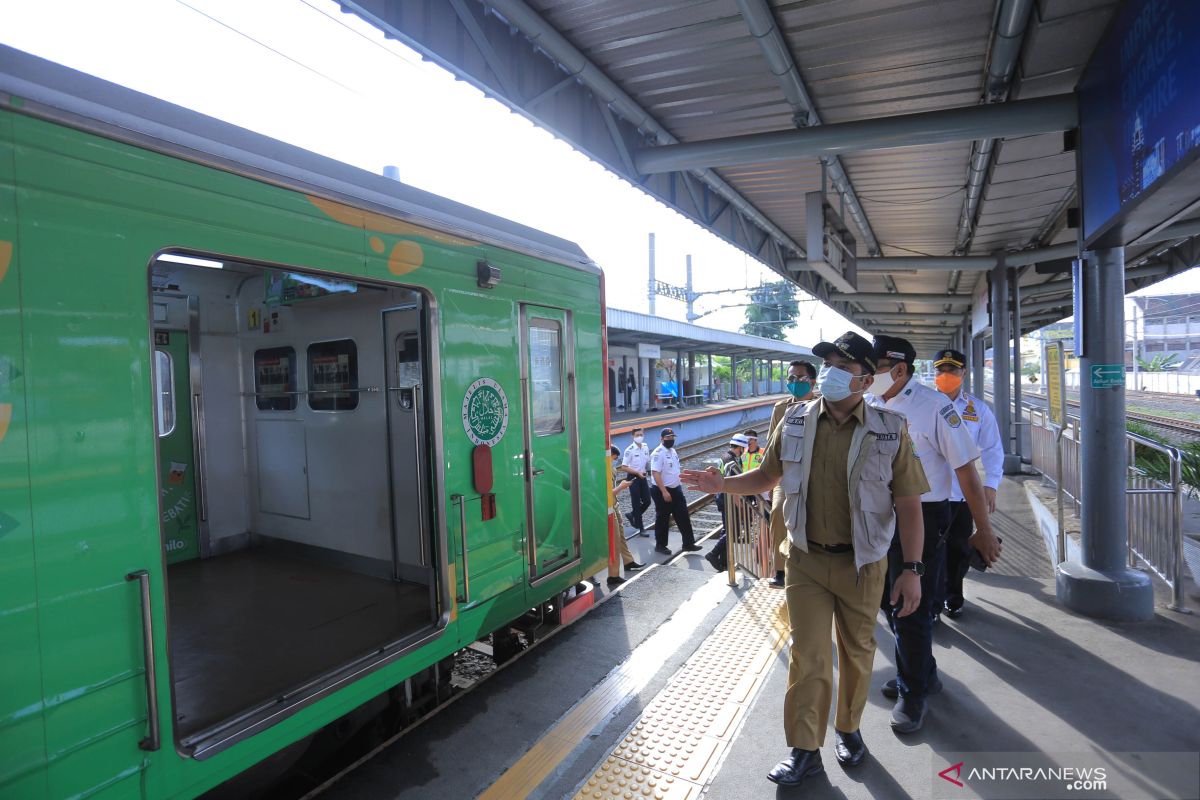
(909, 315)
(1009, 32)
(951, 263)
(899, 297)
(778, 54)
(1021, 118)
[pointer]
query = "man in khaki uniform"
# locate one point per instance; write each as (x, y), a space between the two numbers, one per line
(843, 465)
(801, 380)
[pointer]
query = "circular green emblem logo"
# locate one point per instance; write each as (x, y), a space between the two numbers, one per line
(485, 412)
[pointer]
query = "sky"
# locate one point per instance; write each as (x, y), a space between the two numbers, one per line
(331, 83)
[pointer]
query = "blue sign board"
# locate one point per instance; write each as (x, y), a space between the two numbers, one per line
(1139, 108)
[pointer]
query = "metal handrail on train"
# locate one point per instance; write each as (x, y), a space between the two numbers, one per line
(1154, 509)
(153, 740)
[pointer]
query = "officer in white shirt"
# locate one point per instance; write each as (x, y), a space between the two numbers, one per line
(669, 500)
(635, 462)
(981, 422)
(946, 449)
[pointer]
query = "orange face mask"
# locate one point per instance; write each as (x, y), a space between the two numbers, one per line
(947, 382)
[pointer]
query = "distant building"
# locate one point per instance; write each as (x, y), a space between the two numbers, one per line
(1165, 325)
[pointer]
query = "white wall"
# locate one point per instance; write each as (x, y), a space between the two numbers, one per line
(346, 451)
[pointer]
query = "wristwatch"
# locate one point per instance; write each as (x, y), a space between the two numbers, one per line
(916, 566)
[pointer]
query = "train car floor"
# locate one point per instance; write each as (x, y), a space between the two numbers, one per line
(252, 624)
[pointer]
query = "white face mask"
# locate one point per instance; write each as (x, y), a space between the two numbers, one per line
(638, 439)
(882, 383)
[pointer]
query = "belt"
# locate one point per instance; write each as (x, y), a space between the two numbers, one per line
(832, 548)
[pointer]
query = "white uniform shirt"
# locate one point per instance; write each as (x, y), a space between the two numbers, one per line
(636, 457)
(666, 463)
(940, 438)
(981, 422)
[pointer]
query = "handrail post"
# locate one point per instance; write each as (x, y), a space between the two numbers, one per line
(1177, 603)
(1058, 491)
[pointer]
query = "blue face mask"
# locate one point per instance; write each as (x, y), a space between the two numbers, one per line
(834, 383)
(799, 388)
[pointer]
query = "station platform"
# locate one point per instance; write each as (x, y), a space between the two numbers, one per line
(694, 422)
(673, 687)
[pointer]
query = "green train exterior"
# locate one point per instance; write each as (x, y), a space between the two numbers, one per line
(95, 183)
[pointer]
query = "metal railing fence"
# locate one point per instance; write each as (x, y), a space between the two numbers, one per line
(1153, 507)
(748, 537)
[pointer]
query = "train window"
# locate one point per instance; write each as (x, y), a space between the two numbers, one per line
(333, 376)
(545, 367)
(275, 379)
(164, 391)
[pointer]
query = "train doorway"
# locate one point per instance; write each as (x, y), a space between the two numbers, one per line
(548, 377)
(317, 557)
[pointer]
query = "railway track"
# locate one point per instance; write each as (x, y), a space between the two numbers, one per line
(1184, 427)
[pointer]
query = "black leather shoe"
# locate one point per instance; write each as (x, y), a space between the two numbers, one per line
(633, 566)
(891, 692)
(954, 608)
(691, 548)
(849, 748)
(799, 764)
(777, 581)
(909, 715)
(666, 551)
(615, 581)
(712, 559)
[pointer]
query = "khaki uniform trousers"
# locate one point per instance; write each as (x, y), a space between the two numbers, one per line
(824, 591)
(623, 554)
(778, 529)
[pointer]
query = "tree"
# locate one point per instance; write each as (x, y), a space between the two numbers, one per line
(772, 310)
(1160, 363)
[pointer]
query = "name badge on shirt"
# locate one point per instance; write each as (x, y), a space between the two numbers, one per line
(886, 437)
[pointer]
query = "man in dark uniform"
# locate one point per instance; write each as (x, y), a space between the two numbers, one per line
(842, 464)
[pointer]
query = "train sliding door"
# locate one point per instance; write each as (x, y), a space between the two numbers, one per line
(551, 478)
(180, 502)
(411, 529)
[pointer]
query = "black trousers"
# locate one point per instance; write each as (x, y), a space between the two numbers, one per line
(639, 495)
(916, 667)
(673, 505)
(958, 554)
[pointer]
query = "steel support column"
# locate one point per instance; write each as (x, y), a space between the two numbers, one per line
(977, 358)
(1017, 411)
(1000, 367)
(1101, 585)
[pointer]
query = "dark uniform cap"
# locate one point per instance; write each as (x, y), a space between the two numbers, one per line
(667, 432)
(850, 345)
(952, 357)
(894, 348)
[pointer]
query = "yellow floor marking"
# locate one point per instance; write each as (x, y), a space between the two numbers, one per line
(625, 681)
(675, 747)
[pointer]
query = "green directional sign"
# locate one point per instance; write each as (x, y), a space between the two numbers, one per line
(1106, 376)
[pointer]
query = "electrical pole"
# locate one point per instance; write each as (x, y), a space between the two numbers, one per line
(652, 285)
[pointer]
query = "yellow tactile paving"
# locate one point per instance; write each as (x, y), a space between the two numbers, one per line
(627, 680)
(677, 743)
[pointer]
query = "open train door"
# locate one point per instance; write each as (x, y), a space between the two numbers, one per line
(177, 401)
(551, 443)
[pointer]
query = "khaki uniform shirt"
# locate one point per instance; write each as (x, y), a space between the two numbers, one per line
(827, 515)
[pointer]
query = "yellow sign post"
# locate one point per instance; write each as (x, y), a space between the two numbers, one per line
(1056, 401)
(1053, 359)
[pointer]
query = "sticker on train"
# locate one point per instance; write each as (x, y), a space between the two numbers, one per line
(485, 412)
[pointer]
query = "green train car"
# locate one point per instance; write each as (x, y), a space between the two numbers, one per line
(277, 438)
